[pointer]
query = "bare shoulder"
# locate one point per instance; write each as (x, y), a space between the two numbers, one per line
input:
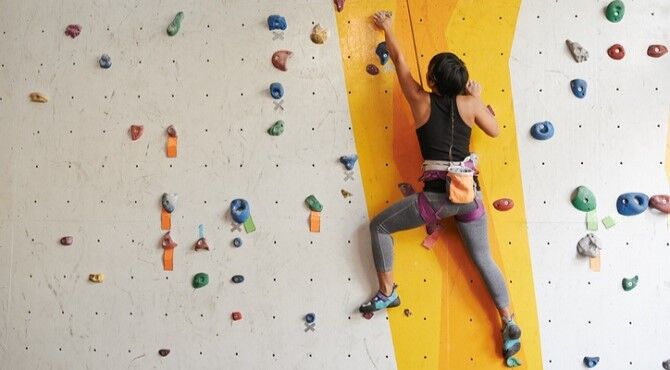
(467, 108)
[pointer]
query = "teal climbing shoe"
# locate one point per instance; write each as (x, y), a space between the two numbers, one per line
(511, 339)
(380, 301)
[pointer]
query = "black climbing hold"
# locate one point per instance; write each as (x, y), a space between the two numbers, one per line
(276, 22)
(382, 52)
(631, 204)
(542, 130)
(105, 61)
(372, 69)
(239, 210)
(164, 352)
(349, 161)
(237, 242)
(238, 279)
(666, 364)
(276, 90)
(310, 318)
(578, 87)
(591, 361)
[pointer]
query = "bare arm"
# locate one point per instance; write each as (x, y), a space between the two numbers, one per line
(483, 118)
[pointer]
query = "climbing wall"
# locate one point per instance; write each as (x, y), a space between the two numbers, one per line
(613, 141)
(69, 167)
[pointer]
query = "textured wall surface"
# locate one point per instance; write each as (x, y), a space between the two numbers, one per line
(69, 168)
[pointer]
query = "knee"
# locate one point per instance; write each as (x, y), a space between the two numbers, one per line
(376, 225)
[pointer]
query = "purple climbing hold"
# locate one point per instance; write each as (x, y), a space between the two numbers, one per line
(339, 4)
(276, 22)
(349, 161)
(382, 52)
(578, 87)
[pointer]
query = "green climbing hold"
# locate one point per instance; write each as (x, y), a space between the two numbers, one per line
(200, 280)
(615, 11)
(512, 362)
(313, 203)
(173, 28)
(276, 129)
(583, 199)
(629, 284)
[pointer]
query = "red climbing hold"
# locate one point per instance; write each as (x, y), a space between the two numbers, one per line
(339, 4)
(66, 240)
(368, 315)
(237, 316)
(168, 242)
(171, 131)
(656, 50)
(503, 204)
(73, 30)
(372, 69)
(201, 244)
(279, 59)
(660, 202)
(136, 131)
(616, 52)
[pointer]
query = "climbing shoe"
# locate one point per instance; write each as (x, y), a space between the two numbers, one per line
(381, 301)
(511, 342)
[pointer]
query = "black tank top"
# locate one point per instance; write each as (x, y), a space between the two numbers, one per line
(436, 136)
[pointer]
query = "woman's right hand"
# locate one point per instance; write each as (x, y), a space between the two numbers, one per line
(383, 19)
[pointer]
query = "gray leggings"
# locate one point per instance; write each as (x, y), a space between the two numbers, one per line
(404, 215)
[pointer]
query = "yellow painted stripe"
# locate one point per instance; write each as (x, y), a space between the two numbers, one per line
(454, 323)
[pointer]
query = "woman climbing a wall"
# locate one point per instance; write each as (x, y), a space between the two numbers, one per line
(443, 119)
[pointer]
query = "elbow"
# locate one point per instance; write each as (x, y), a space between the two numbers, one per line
(495, 132)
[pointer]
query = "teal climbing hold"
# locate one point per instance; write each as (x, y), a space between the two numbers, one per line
(174, 26)
(629, 283)
(200, 280)
(583, 199)
(615, 11)
(512, 362)
(313, 204)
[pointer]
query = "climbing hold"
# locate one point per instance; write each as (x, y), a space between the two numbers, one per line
(616, 52)
(238, 279)
(583, 199)
(542, 130)
(589, 246)
(310, 318)
(407, 312)
(279, 59)
(277, 128)
(406, 189)
(578, 87)
(319, 34)
(631, 204)
(503, 204)
(167, 242)
(345, 193)
(372, 69)
(276, 22)
(591, 361)
(169, 202)
(614, 11)
(174, 26)
(136, 132)
(171, 131)
(349, 161)
(164, 352)
(368, 315)
(66, 240)
(512, 362)
(382, 52)
(629, 284)
(237, 316)
(38, 98)
(96, 278)
(656, 51)
(239, 210)
(73, 30)
(339, 4)
(105, 61)
(578, 52)
(200, 280)
(313, 203)
(666, 364)
(201, 244)
(660, 202)
(237, 242)
(276, 90)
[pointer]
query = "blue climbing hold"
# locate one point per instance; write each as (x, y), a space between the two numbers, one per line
(542, 130)
(591, 361)
(276, 90)
(237, 242)
(349, 161)
(578, 87)
(105, 61)
(382, 52)
(631, 204)
(238, 279)
(310, 318)
(276, 22)
(239, 210)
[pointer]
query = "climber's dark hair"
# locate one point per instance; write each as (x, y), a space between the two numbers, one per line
(448, 73)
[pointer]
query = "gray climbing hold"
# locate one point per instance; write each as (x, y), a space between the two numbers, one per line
(169, 202)
(105, 61)
(578, 52)
(174, 26)
(589, 246)
(578, 87)
(276, 22)
(591, 361)
(277, 128)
